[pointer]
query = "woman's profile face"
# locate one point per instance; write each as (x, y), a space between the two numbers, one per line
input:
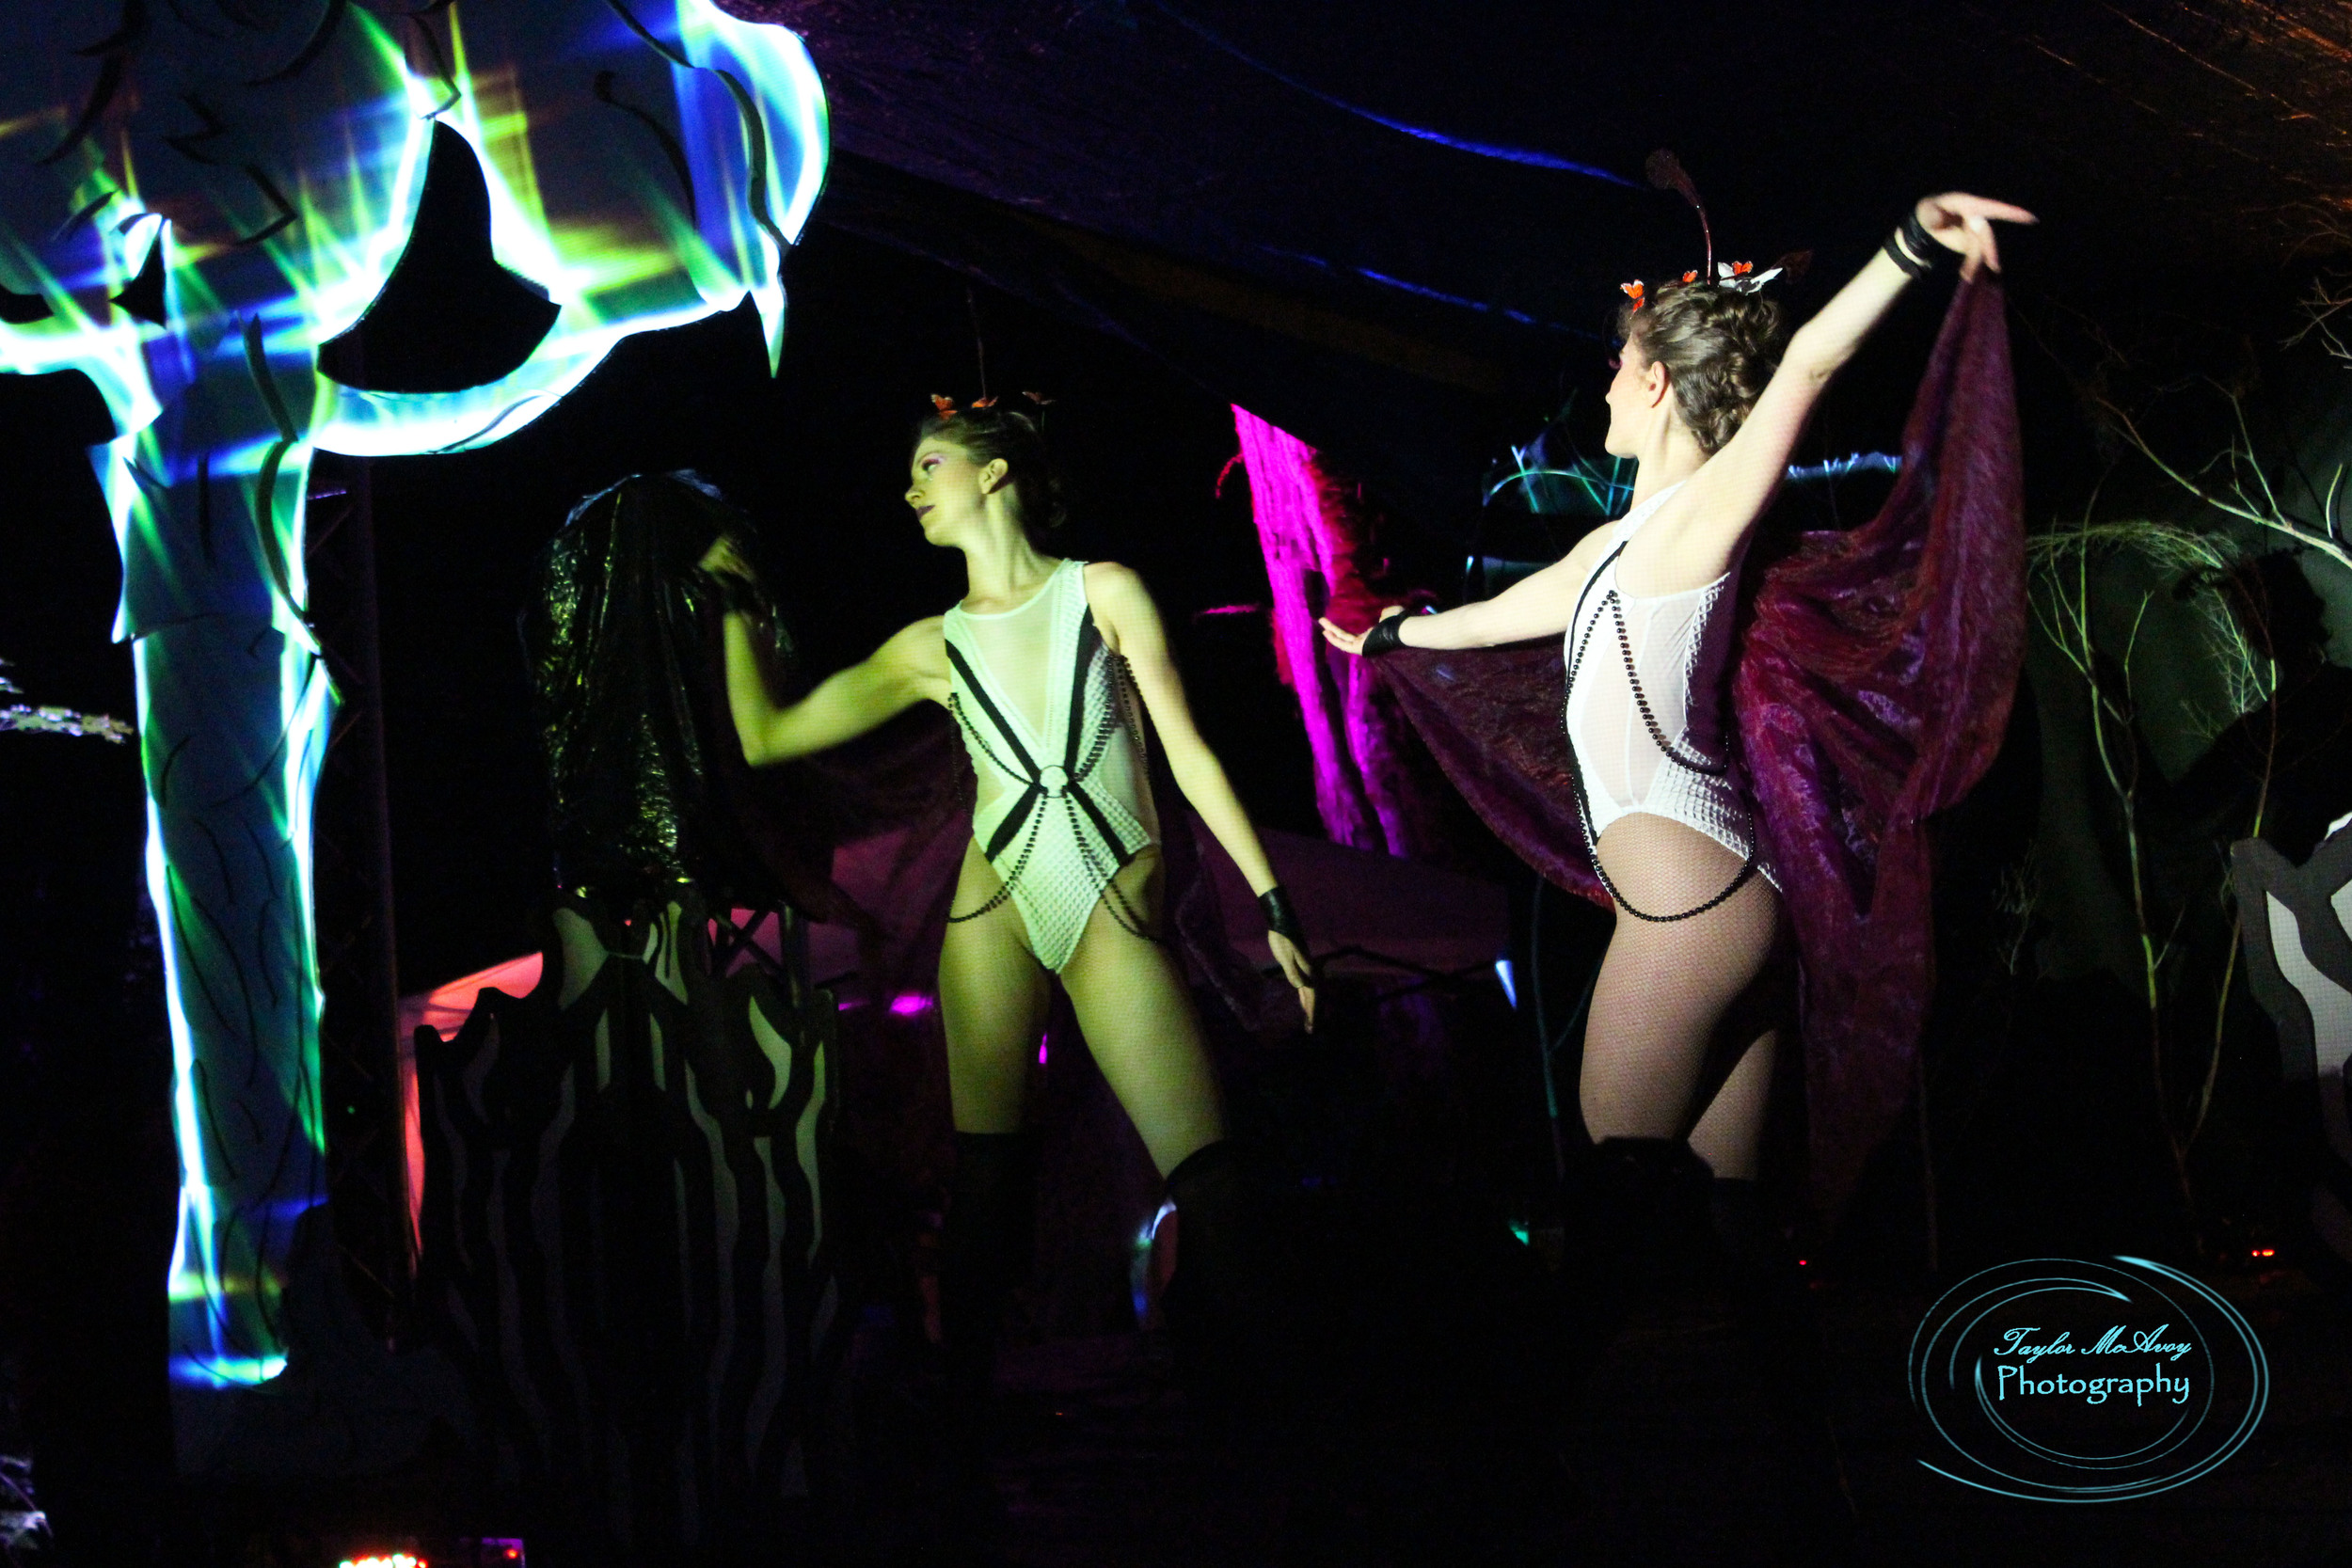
(945, 488)
(1628, 401)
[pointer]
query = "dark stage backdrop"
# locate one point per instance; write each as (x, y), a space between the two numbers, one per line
(85, 1146)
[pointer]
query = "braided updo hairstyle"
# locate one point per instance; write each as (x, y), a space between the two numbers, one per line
(986, 434)
(1719, 345)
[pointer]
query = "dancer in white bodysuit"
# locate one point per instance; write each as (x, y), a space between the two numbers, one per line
(1684, 1018)
(1050, 718)
(1048, 666)
(1660, 752)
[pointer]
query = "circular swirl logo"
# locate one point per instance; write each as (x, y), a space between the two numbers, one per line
(2072, 1381)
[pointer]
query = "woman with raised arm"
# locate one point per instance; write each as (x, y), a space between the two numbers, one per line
(1686, 1013)
(1048, 666)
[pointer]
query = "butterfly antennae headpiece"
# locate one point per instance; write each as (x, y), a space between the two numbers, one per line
(1665, 171)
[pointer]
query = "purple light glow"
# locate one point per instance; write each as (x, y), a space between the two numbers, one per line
(1043, 1041)
(1288, 513)
(1311, 540)
(910, 1004)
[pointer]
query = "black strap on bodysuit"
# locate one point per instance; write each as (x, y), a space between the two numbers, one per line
(1612, 601)
(1073, 793)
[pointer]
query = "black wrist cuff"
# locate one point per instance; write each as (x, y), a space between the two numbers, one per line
(1281, 916)
(1386, 636)
(1912, 248)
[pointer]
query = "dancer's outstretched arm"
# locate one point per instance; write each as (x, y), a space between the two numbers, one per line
(1130, 622)
(1538, 605)
(1705, 525)
(913, 665)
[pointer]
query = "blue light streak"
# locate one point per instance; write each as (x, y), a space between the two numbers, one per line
(1528, 156)
(1408, 286)
(1840, 467)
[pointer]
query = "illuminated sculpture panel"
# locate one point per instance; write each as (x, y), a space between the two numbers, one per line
(2298, 961)
(195, 197)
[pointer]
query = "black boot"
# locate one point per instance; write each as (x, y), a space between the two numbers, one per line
(1773, 1308)
(986, 1250)
(1222, 1317)
(1633, 1228)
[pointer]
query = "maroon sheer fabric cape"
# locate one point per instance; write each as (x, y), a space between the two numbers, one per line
(1873, 689)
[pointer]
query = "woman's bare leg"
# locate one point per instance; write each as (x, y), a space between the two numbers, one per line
(1224, 1322)
(1731, 1131)
(993, 996)
(1663, 991)
(1138, 1019)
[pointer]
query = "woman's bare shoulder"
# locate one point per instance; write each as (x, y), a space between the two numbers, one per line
(1586, 552)
(919, 649)
(1121, 606)
(1114, 579)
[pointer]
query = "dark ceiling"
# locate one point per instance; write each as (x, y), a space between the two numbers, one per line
(2201, 135)
(1214, 179)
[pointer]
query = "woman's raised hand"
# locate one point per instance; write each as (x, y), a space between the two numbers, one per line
(1961, 222)
(1351, 641)
(721, 560)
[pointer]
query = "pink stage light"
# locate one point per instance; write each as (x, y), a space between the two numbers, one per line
(1314, 539)
(1289, 514)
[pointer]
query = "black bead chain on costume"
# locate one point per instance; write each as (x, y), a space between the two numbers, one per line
(1610, 601)
(1028, 841)
(1105, 882)
(1116, 712)
(1575, 766)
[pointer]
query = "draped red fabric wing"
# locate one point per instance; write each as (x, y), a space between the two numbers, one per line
(1491, 718)
(1873, 690)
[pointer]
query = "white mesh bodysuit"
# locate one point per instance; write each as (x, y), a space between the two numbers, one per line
(1680, 645)
(1055, 732)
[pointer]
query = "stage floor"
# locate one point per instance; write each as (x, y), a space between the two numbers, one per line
(1102, 1463)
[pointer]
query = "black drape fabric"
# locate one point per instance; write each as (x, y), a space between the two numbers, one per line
(645, 780)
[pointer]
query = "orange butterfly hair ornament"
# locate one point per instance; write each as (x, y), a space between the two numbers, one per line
(947, 409)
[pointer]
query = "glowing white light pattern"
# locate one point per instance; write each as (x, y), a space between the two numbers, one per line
(190, 243)
(757, 179)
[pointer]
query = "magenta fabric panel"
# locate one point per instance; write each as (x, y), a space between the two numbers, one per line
(1873, 691)
(1491, 718)
(1371, 789)
(1286, 503)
